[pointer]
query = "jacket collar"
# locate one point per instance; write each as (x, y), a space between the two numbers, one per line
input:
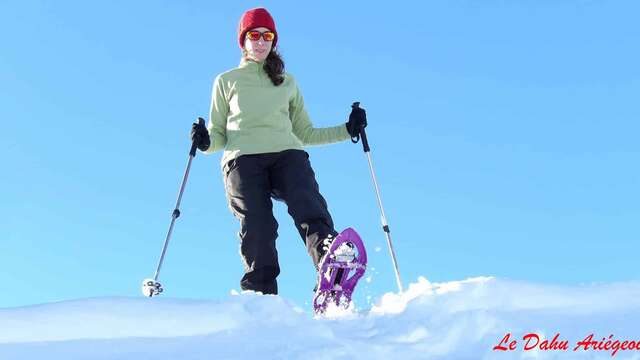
(244, 62)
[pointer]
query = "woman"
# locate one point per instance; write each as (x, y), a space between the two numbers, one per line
(259, 119)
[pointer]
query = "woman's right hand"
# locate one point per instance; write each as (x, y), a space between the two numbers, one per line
(200, 135)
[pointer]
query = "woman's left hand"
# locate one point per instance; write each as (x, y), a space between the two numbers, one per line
(357, 121)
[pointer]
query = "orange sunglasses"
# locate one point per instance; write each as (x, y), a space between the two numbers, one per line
(255, 35)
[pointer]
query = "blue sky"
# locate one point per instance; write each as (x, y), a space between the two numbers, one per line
(503, 134)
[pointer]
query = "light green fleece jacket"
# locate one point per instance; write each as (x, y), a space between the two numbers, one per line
(250, 115)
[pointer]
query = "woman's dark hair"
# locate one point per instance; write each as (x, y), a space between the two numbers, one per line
(273, 66)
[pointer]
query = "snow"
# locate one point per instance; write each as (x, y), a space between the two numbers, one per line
(452, 320)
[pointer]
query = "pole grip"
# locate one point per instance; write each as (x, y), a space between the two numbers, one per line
(192, 152)
(194, 146)
(365, 142)
(362, 133)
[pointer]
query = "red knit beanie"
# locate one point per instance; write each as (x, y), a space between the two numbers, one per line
(254, 18)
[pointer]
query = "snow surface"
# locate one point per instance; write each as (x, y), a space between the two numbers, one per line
(452, 320)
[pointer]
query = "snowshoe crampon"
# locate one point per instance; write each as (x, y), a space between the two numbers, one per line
(340, 269)
(151, 288)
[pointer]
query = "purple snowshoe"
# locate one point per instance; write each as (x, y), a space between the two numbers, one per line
(339, 271)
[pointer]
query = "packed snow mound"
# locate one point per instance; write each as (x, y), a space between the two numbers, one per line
(453, 320)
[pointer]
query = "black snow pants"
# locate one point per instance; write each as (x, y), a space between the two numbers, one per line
(251, 181)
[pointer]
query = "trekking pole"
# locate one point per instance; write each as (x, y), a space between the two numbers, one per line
(151, 287)
(385, 225)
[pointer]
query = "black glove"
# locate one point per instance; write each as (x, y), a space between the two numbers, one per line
(200, 135)
(357, 120)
